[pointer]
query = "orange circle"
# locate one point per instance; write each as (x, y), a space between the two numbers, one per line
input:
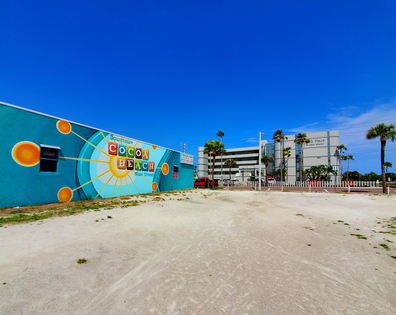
(63, 126)
(65, 194)
(154, 186)
(154, 147)
(26, 153)
(165, 169)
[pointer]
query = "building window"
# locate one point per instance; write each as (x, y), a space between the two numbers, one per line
(49, 158)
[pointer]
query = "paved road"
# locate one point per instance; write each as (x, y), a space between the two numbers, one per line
(359, 190)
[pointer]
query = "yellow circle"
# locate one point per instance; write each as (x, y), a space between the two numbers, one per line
(154, 147)
(117, 172)
(154, 186)
(26, 153)
(165, 169)
(65, 194)
(63, 126)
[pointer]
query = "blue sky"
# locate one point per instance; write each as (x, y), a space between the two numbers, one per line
(169, 72)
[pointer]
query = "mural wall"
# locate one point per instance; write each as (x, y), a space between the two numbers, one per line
(45, 159)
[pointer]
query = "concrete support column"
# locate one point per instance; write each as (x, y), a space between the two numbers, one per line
(202, 163)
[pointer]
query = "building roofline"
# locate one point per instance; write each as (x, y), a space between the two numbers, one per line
(82, 125)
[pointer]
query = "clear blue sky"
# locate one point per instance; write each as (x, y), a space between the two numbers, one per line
(168, 72)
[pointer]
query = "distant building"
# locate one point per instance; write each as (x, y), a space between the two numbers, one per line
(322, 150)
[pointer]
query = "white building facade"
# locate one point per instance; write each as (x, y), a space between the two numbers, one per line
(322, 150)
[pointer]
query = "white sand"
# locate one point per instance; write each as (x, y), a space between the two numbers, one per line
(229, 253)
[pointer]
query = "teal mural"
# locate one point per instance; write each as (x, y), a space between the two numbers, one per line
(46, 159)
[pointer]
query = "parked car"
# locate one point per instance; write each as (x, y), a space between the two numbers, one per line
(271, 180)
(314, 183)
(205, 182)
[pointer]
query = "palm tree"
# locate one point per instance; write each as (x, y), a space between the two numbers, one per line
(387, 164)
(214, 147)
(280, 137)
(266, 159)
(221, 135)
(287, 153)
(312, 173)
(343, 158)
(384, 132)
(301, 139)
(349, 157)
(341, 149)
(325, 171)
(230, 163)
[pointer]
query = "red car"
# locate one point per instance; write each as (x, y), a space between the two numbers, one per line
(349, 183)
(204, 182)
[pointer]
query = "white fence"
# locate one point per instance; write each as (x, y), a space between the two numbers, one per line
(306, 184)
(325, 184)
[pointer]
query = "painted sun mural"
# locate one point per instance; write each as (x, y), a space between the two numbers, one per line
(107, 165)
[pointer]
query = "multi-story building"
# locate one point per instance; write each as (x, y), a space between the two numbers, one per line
(322, 150)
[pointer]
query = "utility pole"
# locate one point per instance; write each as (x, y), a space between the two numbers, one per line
(184, 147)
(259, 178)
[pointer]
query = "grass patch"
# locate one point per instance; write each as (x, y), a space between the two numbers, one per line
(81, 261)
(340, 221)
(45, 211)
(360, 236)
(385, 246)
(299, 215)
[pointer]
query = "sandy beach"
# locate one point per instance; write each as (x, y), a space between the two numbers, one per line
(207, 252)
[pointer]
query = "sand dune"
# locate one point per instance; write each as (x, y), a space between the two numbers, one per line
(217, 252)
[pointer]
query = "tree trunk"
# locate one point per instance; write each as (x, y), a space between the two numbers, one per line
(301, 159)
(266, 174)
(281, 151)
(230, 174)
(342, 167)
(383, 144)
(213, 169)
(339, 168)
(287, 171)
(348, 170)
(221, 140)
(222, 166)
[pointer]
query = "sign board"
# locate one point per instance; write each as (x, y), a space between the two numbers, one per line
(317, 142)
(186, 158)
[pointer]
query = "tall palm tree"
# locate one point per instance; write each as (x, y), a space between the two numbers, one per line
(343, 158)
(280, 137)
(349, 157)
(214, 147)
(287, 153)
(301, 139)
(267, 159)
(230, 163)
(384, 132)
(221, 135)
(387, 164)
(341, 149)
